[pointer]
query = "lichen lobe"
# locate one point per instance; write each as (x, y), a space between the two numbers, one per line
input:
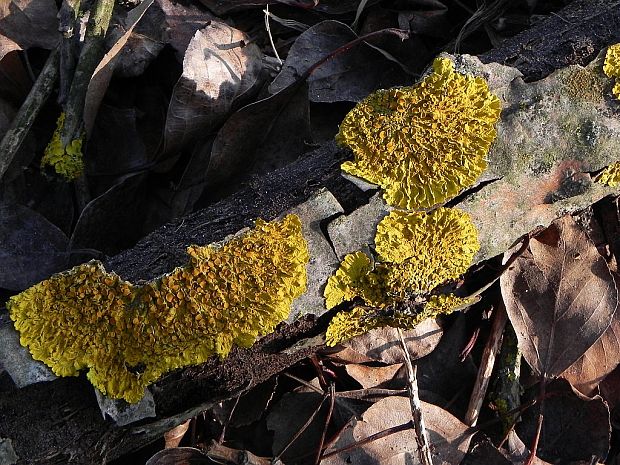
(416, 253)
(426, 143)
(127, 335)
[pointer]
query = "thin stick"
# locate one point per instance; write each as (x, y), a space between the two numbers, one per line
(268, 28)
(424, 448)
(371, 438)
(21, 124)
(330, 411)
(301, 430)
(500, 317)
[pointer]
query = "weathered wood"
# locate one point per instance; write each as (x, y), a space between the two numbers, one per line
(60, 422)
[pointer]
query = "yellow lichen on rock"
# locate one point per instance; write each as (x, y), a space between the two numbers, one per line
(612, 66)
(610, 175)
(128, 335)
(425, 249)
(66, 161)
(417, 252)
(426, 143)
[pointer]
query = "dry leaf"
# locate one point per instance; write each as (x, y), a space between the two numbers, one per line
(350, 76)
(574, 428)
(179, 456)
(369, 377)
(599, 360)
(221, 67)
(28, 23)
(449, 437)
(173, 437)
(560, 297)
(383, 345)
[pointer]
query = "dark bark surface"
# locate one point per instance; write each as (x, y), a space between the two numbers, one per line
(60, 422)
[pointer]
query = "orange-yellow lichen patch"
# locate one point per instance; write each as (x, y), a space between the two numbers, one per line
(127, 335)
(612, 66)
(423, 144)
(360, 320)
(425, 249)
(417, 252)
(66, 160)
(610, 175)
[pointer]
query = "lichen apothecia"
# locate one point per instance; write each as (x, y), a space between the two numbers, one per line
(128, 335)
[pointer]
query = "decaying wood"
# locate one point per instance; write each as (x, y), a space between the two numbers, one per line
(60, 421)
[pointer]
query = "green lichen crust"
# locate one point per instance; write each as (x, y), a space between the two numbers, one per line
(417, 252)
(610, 175)
(423, 144)
(66, 160)
(612, 66)
(128, 335)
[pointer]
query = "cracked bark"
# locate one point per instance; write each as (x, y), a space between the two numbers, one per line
(60, 421)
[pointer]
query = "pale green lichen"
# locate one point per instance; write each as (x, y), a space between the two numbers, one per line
(66, 160)
(423, 144)
(417, 252)
(128, 335)
(611, 66)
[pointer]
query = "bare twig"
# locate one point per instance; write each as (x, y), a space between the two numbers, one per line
(41, 90)
(330, 411)
(302, 429)
(424, 446)
(489, 355)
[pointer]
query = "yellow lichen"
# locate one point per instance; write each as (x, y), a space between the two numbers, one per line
(66, 160)
(423, 144)
(425, 249)
(610, 175)
(128, 335)
(360, 320)
(417, 252)
(612, 66)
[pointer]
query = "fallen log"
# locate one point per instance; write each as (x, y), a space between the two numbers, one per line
(60, 421)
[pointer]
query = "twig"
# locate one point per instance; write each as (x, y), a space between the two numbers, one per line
(330, 411)
(302, 429)
(500, 317)
(41, 90)
(371, 438)
(268, 28)
(90, 56)
(424, 448)
(229, 419)
(541, 415)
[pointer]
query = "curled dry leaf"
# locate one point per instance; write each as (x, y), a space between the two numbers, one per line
(174, 436)
(450, 437)
(179, 456)
(560, 297)
(220, 68)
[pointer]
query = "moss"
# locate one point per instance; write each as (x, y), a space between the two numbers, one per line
(128, 335)
(611, 67)
(417, 252)
(423, 144)
(66, 160)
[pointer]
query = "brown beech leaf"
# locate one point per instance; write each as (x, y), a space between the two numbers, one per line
(560, 297)
(599, 360)
(174, 436)
(220, 68)
(179, 456)
(450, 437)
